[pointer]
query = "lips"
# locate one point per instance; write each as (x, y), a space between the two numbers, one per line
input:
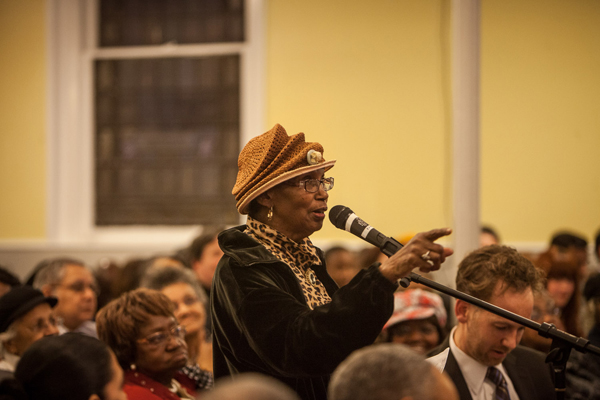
(320, 212)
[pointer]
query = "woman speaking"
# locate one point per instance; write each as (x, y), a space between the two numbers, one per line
(275, 309)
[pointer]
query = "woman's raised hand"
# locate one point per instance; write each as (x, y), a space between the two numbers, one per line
(420, 252)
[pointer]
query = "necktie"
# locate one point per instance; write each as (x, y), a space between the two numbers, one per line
(494, 375)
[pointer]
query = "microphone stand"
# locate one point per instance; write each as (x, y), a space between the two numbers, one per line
(562, 342)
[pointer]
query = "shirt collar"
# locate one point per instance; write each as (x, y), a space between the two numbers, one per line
(473, 371)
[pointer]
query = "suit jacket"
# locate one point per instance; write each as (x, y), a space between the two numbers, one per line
(527, 369)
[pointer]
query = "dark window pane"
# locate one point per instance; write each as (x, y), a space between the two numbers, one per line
(155, 22)
(167, 139)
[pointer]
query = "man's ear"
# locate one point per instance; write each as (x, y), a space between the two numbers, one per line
(10, 346)
(94, 397)
(46, 290)
(461, 310)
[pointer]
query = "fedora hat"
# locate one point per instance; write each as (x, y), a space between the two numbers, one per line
(272, 158)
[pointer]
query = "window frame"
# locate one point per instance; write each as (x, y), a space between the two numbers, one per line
(71, 52)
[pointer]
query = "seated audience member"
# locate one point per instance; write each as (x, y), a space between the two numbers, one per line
(250, 386)
(566, 245)
(71, 366)
(142, 330)
(342, 265)
(418, 320)
(597, 249)
(583, 369)
(544, 310)
(25, 317)
(562, 284)
(190, 301)
(482, 353)
(389, 371)
(488, 236)
(205, 254)
(7, 281)
(73, 284)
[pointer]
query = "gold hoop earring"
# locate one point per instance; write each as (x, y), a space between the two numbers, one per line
(270, 214)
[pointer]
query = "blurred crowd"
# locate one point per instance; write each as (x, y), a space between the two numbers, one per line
(142, 330)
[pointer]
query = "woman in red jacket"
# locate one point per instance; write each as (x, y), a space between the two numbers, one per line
(142, 331)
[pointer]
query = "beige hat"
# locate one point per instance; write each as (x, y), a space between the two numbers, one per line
(272, 158)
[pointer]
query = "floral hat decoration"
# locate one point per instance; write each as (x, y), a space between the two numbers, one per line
(272, 158)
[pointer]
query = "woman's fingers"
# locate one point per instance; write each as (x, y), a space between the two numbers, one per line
(420, 252)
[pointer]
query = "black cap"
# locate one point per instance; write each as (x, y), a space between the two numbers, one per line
(18, 302)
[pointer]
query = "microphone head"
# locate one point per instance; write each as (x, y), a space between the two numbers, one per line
(338, 216)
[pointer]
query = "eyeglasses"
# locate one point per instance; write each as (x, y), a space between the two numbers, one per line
(159, 338)
(80, 287)
(313, 185)
(43, 324)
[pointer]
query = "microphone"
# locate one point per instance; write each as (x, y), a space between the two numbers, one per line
(344, 218)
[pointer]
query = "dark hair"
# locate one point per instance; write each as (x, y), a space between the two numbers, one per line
(567, 240)
(568, 269)
(597, 248)
(8, 277)
(479, 272)
(118, 323)
(70, 366)
(490, 231)
(197, 246)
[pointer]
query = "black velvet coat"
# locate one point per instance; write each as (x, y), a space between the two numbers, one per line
(261, 322)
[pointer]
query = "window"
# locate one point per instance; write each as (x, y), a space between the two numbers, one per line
(149, 109)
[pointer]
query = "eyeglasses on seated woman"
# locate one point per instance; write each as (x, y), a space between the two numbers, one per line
(149, 344)
(189, 301)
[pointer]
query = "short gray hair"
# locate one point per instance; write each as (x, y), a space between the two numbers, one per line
(250, 386)
(158, 278)
(52, 271)
(7, 335)
(388, 371)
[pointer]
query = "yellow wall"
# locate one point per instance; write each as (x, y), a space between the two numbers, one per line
(370, 81)
(22, 118)
(541, 117)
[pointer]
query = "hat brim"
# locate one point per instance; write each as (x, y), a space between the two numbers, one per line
(404, 316)
(26, 307)
(244, 205)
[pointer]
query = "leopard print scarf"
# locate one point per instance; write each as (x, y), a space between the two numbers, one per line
(298, 256)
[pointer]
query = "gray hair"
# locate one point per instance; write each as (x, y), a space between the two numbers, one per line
(52, 271)
(158, 278)
(387, 371)
(250, 386)
(7, 335)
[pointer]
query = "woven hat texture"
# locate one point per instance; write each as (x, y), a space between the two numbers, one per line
(417, 304)
(270, 159)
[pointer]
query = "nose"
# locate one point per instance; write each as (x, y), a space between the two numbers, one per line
(322, 193)
(511, 340)
(50, 329)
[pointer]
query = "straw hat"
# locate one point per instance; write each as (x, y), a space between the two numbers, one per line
(272, 158)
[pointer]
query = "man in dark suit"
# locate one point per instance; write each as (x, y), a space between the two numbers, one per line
(481, 354)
